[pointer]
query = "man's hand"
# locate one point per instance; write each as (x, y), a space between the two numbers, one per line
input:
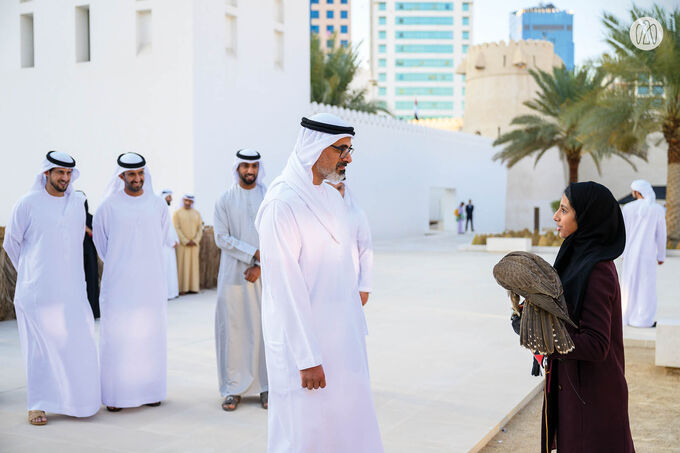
(252, 273)
(88, 231)
(364, 297)
(174, 246)
(660, 262)
(191, 243)
(313, 378)
(257, 255)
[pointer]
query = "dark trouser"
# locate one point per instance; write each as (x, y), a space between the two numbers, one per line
(472, 225)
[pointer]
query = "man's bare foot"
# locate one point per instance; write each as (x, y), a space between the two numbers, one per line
(37, 418)
(113, 409)
(156, 404)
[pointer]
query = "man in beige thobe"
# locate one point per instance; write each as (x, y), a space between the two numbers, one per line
(189, 227)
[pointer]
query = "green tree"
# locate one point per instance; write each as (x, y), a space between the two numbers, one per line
(655, 111)
(332, 73)
(561, 94)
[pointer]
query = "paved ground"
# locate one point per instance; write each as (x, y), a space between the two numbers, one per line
(446, 368)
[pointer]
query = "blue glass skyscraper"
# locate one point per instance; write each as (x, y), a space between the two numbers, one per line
(548, 23)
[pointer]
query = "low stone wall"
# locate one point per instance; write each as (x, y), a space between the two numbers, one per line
(209, 267)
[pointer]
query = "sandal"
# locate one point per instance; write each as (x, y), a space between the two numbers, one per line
(113, 409)
(37, 418)
(230, 403)
(264, 400)
(156, 404)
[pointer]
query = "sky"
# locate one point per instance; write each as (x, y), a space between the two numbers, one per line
(491, 21)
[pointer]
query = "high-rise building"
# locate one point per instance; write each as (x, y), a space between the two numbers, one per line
(415, 46)
(329, 18)
(548, 23)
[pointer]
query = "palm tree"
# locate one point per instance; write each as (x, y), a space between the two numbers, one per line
(556, 123)
(631, 66)
(332, 73)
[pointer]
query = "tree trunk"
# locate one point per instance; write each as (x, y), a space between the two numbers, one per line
(671, 132)
(573, 162)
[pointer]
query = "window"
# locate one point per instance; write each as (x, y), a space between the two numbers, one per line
(382, 62)
(424, 48)
(643, 90)
(424, 35)
(382, 34)
(382, 20)
(382, 77)
(344, 2)
(330, 2)
(463, 91)
(82, 22)
(330, 28)
(465, 48)
(657, 90)
(343, 28)
(230, 34)
(424, 6)
(344, 43)
(314, 14)
(423, 91)
(330, 43)
(382, 48)
(466, 20)
(313, 2)
(27, 47)
(279, 51)
(424, 63)
(425, 105)
(344, 14)
(329, 14)
(466, 6)
(381, 6)
(315, 29)
(424, 77)
(416, 20)
(143, 31)
(382, 91)
(466, 35)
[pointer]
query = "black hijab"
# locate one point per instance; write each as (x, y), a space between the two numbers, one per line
(601, 236)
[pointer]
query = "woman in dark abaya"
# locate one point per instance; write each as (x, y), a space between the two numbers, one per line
(91, 265)
(586, 396)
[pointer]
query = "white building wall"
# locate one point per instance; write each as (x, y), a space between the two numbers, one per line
(118, 101)
(396, 165)
(243, 99)
(188, 103)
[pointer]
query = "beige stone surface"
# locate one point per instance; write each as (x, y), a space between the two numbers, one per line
(447, 371)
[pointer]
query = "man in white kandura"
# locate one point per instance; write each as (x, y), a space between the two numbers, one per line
(44, 241)
(170, 254)
(362, 248)
(130, 232)
(645, 249)
(313, 324)
(241, 367)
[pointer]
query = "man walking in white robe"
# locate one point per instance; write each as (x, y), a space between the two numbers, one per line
(130, 232)
(312, 320)
(645, 249)
(241, 364)
(44, 241)
(170, 254)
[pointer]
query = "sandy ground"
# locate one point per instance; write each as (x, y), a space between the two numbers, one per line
(654, 409)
